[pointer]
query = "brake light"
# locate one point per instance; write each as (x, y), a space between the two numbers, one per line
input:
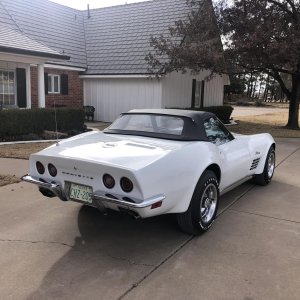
(52, 170)
(108, 181)
(126, 184)
(40, 167)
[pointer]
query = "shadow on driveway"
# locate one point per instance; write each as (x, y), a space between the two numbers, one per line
(112, 254)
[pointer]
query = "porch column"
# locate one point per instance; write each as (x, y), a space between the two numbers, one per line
(28, 86)
(41, 87)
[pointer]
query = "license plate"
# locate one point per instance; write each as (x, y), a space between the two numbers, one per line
(81, 192)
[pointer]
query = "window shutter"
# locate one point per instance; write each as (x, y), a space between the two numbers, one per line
(193, 93)
(64, 84)
(46, 83)
(21, 88)
(202, 94)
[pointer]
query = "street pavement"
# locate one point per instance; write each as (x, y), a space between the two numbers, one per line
(51, 249)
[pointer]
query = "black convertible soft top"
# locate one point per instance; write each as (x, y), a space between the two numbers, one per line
(193, 124)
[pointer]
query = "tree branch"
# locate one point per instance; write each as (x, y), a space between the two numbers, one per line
(277, 76)
(293, 13)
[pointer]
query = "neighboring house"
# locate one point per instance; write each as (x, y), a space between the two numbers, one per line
(54, 55)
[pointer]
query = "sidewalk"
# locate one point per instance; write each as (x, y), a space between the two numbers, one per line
(14, 167)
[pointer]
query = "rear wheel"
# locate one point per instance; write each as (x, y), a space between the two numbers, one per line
(266, 176)
(203, 206)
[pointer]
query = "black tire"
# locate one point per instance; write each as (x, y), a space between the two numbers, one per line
(192, 221)
(266, 176)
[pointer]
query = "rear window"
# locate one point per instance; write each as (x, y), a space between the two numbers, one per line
(162, 124)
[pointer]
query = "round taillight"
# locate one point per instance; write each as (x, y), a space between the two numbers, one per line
(126, 184)
(108, 181)
(40, 167)
(52, 170)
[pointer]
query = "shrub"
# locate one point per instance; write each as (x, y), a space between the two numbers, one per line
(222, 112)
(16, 122)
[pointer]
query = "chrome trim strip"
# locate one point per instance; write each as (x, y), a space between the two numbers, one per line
(146, 203)
(234, 185)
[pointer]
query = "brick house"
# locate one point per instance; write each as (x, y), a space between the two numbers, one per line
(51, 54)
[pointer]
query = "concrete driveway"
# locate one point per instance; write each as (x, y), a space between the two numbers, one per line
(55, 250)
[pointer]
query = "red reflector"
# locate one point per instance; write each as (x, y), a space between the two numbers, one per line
(156, 205)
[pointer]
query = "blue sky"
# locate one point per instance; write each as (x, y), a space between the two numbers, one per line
(82, 4)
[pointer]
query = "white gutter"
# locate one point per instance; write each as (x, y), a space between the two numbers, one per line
(60, 67)
(115, 76)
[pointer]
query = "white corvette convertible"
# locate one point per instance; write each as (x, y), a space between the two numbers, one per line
(153, 162)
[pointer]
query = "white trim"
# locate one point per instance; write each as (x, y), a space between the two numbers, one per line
(59, 67)
(52, 76)
(22, 58)
(115, 76)
(41, 87)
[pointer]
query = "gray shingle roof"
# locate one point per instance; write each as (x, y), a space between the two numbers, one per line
(118, 37)
(114, 40)
(15, 41)
(6, 18)
(59, 27)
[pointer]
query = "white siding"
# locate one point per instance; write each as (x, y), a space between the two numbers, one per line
(177, 90)
(214, 91)
(110, 97)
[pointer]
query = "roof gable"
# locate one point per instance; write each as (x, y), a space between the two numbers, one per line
(13, 41)
(118, 37)
(112, 41)
(59, 27)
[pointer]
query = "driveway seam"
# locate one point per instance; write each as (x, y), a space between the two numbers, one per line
(135, 285)
(286, 158)
(131, 262)
(36, 242)
(265, 216)
(236, 200)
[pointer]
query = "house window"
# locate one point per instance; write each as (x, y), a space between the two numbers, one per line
(53, 84)
(7, 88)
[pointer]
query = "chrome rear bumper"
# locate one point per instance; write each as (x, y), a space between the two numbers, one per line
(54, 188)
(57, 191)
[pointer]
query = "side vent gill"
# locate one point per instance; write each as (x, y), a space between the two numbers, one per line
(255, 163)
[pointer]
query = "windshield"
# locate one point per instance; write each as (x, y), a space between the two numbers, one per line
(151, 123)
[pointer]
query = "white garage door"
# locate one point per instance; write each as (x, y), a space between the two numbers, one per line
(111, 97)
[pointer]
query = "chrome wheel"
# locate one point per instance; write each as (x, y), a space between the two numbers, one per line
(265, 177)
(208, 203)
(203, 206)
(271, 164)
